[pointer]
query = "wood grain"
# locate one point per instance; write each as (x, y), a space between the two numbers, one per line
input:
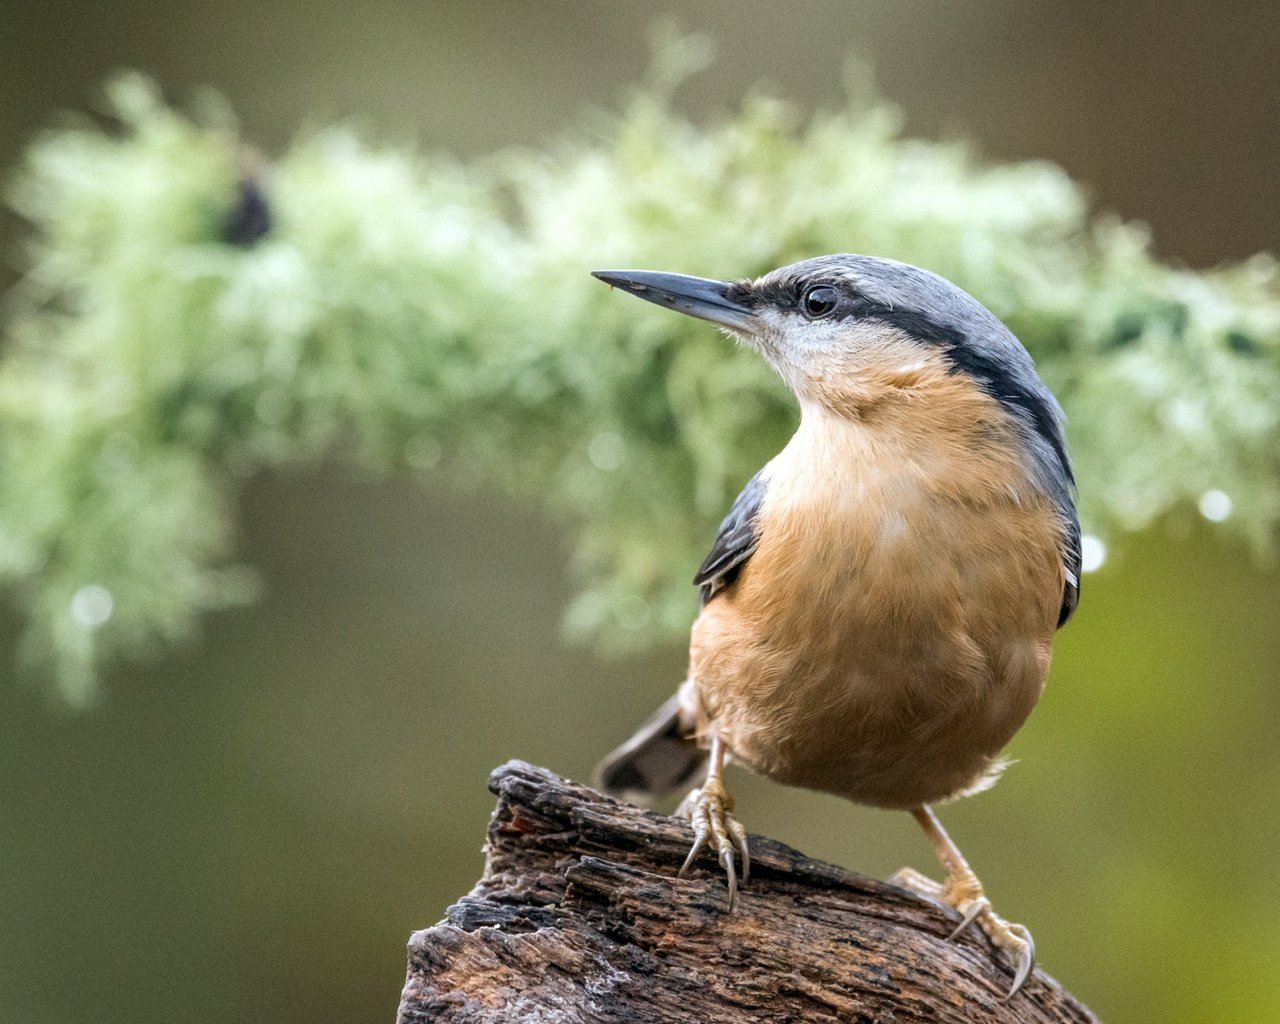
(580, 917)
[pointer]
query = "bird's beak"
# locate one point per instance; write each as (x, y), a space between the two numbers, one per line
(695, 296)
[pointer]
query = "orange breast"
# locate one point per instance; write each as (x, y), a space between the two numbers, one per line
(893, 628)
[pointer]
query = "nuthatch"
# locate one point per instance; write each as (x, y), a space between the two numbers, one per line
(879, 606)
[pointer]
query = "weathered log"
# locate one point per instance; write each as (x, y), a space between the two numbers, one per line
(580, 917)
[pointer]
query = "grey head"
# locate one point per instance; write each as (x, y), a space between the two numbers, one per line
(849, 310)
(799, 314)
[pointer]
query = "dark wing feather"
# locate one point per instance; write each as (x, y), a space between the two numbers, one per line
(1071, 563)
(735, 543)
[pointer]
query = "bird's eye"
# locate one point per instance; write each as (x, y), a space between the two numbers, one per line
(819, 301)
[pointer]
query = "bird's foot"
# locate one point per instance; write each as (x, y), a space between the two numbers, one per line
(709, 810)
(963, 892)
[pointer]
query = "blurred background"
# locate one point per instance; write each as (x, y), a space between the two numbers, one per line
(248, 829)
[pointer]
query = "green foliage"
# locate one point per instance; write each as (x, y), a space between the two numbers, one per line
(413, 313)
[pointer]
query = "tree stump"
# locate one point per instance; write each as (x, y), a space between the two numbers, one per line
(580, 917)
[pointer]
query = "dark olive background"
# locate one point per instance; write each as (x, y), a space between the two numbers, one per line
(249, 828)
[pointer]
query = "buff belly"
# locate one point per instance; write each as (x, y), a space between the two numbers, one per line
(886, 646)
(890, 737)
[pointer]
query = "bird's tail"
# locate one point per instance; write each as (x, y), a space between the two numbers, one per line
(659, 759)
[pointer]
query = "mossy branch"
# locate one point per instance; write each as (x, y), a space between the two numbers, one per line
(421, 315)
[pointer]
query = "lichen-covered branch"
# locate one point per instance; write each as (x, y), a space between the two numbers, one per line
(580, 918)
(420, 315)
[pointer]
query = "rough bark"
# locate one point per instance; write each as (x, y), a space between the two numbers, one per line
(580, 917)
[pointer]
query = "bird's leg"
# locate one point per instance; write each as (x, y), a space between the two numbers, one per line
(709, 809)
(963, 891)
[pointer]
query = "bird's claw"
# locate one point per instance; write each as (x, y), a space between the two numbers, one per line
(1023, 955)
(710, 814)
(964, 894)
(1014, 939)
(975, 909)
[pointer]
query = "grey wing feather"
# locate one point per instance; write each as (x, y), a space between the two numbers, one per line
(736, 542)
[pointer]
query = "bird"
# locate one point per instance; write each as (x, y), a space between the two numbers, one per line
(879, 606)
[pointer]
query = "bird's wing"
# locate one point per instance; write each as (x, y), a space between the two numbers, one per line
(1071, 567)
(735, 542)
